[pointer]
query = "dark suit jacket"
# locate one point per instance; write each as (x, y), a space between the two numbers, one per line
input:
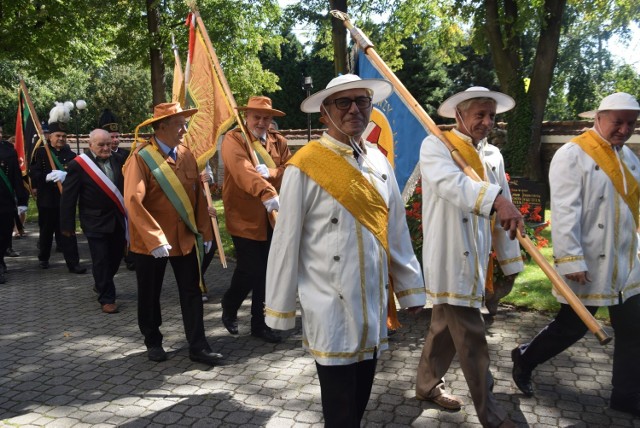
(98, 213)
(122, 153)
(11, 168)
(48, 193)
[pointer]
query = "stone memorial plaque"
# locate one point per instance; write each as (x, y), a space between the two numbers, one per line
(533, 193)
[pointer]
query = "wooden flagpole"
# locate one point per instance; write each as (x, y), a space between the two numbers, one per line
(273, 215)
(34, 117)
(556, 280)
(205, 186)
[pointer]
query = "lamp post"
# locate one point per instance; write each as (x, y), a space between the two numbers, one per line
(80, 105)
(307, 85)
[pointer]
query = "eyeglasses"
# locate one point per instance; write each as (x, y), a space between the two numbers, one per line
(345, 103)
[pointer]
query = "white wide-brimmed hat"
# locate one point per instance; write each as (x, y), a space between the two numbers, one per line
(617, 101)
(380, 87)
(503, 101)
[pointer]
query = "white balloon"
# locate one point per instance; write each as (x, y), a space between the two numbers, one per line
(81, 104)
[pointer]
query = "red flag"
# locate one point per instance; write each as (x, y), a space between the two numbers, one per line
(20, 143)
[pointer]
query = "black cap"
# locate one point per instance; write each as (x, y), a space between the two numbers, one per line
(57, 127)
(108, 121)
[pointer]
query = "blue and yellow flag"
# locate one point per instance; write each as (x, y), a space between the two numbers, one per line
(408, 132)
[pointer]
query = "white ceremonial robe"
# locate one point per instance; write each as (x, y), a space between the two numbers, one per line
(337, 268)
(457, 225)
(592, 228)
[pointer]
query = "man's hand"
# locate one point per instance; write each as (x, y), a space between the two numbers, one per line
(161, 251)
(207, 246)
(56, 175)
(212, 211)
(263, 170)
(272, 204)
(67, 233)
(580, 277)
(508, 215)
(206, 177)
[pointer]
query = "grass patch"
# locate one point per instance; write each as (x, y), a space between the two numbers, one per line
(532, 289)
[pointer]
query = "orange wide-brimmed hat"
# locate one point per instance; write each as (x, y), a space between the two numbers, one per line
(262, 104)
(166, 110)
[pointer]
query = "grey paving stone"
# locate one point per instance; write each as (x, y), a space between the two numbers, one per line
(64, 363)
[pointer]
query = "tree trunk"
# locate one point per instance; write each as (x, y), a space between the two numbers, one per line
(505, 45)
(522, 153)
(155, 52)
(339, 37)
(542, 75)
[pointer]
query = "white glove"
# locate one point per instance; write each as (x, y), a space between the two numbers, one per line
(22, 210)
(272, 204)
(56, 175)
(263, 170)
(161, 251)
(207, 246)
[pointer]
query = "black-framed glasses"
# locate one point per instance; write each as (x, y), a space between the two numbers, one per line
(345, 103)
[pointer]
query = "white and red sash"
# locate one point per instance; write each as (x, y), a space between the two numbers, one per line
(107, 186)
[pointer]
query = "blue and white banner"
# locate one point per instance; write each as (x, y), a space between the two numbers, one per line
(408, 132)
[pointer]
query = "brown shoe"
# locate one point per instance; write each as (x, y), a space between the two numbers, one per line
(444, 400)
(110, 308)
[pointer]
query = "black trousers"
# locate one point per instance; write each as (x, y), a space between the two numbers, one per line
(345, 392)
(567, 328)
(106, 251)
(49, 222)
(207, 258)
(250, 275)
(150, 275)
(6, 229)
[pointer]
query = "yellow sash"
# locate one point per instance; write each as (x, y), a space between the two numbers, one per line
(467, 151)
(263, 154)
(604, 156)
(470, 155)
(347, 185)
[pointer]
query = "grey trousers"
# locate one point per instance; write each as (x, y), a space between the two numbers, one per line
(457, 329)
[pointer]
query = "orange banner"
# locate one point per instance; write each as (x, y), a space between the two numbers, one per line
(205, 92)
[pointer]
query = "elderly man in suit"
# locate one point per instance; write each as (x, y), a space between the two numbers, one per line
(169, 223)
(95, 179)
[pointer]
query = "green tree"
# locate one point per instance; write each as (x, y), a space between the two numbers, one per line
(524, 39)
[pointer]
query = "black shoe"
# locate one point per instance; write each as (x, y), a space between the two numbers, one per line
(521, 376)
(630, 404)
(131, 266)
(203, 356)
(3, 267)
(58, 249)
(10, 253)
(2, 278)
(230, 323)
(266, 334)
(157, 354)
(77, 269)
(44, 264)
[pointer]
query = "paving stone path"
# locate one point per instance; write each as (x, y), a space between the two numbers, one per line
(63, 363)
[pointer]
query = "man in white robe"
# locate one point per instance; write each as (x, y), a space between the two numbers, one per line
(594, 217)
(341, 233)
(457, 229)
